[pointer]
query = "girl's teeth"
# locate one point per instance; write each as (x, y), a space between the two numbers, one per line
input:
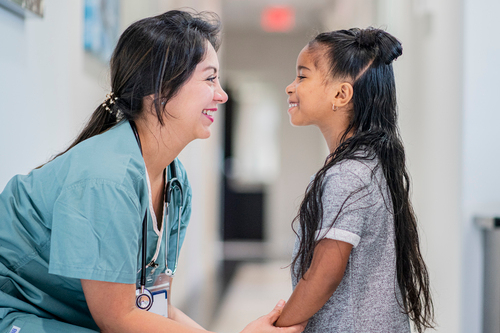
(291, 105)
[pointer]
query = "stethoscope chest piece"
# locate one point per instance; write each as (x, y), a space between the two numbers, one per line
(144, 299)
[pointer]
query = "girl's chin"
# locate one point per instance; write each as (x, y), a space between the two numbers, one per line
(296, 122)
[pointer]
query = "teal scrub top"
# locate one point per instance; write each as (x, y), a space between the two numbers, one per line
(80, 217)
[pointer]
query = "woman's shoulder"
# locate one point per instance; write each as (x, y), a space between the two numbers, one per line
(112, 156)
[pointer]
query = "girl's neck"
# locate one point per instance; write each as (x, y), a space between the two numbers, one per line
(332, 136)
(334, 128)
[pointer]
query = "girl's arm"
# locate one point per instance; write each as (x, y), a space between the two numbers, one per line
(319, 282)
(112, 306)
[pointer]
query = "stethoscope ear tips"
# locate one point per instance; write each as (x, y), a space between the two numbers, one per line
(144, 299)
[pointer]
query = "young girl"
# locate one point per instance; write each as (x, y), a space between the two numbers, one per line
(357, 265)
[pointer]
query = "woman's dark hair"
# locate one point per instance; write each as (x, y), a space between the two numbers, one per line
(155, 55)
(365, 57)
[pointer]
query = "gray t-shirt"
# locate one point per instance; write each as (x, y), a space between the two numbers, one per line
(368, 297)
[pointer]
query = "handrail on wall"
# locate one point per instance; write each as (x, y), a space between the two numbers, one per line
(488, 223)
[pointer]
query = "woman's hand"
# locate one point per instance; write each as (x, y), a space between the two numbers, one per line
(266, 323)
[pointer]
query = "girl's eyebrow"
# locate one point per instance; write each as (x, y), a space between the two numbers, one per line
(300, 67)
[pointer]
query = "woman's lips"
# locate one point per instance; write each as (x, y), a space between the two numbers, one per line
(209, 113)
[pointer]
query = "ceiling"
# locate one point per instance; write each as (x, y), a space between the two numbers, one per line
(245, 14)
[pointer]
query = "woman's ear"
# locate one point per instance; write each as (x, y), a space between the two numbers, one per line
(342, 94)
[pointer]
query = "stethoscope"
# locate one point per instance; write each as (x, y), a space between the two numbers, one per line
(144, 298)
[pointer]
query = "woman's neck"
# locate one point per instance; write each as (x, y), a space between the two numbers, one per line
(159, 148)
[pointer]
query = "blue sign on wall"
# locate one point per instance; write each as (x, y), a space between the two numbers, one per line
(101, 27)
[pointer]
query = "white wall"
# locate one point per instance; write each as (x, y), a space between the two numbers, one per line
(481, 141)
(45, 92)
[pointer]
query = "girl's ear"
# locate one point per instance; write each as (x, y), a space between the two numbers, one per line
(342, 94)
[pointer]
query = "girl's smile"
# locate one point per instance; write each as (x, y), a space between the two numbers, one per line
(308, 102)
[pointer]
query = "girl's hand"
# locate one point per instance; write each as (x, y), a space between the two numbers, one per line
(265, 323)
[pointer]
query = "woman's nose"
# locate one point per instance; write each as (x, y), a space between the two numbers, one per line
(220, 96)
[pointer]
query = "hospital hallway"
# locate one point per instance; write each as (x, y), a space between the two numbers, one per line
(253, 291)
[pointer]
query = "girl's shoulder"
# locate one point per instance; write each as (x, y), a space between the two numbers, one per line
(362, 170)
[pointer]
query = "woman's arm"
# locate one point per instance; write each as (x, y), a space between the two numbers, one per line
(182, 318)
(319, 282)
(112, 306)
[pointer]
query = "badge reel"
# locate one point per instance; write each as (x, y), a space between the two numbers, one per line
(160, 292)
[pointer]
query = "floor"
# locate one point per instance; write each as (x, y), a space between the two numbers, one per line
(254, 290)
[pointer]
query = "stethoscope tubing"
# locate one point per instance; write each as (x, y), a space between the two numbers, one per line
(172, 184)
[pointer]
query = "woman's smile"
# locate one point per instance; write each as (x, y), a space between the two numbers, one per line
(209, 113)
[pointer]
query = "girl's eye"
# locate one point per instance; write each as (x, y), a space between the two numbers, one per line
(300, 77)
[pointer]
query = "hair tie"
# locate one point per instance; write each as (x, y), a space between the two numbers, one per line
(110, 103)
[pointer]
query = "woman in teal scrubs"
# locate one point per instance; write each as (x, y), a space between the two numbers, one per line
(71, 230)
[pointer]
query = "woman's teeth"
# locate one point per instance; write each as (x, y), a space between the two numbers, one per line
(208, 112)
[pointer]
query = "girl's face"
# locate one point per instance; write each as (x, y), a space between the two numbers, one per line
(308, 94)
(193, 108)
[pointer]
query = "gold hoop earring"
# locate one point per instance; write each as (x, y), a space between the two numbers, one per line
(334, 108)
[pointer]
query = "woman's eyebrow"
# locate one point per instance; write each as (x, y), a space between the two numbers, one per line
(210, 68)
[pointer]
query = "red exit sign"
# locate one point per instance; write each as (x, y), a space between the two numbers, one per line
(278, 18)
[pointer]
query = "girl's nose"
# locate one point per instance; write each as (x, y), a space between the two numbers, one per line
(289, 89)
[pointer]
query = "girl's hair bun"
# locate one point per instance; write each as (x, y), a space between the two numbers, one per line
(386, 47)
(367, 38)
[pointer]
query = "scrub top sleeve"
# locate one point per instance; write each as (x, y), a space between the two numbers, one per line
(346, 207)
(95, 232)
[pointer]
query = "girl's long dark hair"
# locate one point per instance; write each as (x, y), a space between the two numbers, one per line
(155, 55)
(366, 56)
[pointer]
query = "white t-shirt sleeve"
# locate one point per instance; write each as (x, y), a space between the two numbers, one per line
(346, 203)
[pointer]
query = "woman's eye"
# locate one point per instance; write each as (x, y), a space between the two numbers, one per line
(212, 78)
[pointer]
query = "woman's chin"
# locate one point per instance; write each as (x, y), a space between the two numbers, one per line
(205, 135)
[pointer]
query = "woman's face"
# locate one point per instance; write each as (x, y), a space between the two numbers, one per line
(193, 108)
(308, 94)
